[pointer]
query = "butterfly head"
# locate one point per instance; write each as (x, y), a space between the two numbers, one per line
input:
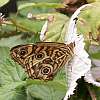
(20, 53)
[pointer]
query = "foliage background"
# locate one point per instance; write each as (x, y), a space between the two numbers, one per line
(14, 83)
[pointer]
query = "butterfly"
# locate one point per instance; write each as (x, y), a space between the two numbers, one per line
(42, 60)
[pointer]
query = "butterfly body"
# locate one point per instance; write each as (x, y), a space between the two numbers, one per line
(42, 60)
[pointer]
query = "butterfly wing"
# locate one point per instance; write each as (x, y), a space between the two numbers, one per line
(20, 53)
(42, 60)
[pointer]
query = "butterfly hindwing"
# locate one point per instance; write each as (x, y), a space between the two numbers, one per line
(42, 60)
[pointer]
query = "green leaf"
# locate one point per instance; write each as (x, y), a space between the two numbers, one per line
(39, 7)
(3, 2)
(11, 78)
(8, 28)
(48, 5)
(26, 25)
(96, 55)
(89, 22)
(9, 70)
(35, 38)
(37, 1)
(57, 28)
(52, 90)
(11, 41)
(4, 52)
(13, 91)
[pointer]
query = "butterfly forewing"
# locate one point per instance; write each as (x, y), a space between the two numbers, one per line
(42, 60)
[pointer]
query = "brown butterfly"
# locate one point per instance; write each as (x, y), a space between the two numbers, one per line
(42, 60)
